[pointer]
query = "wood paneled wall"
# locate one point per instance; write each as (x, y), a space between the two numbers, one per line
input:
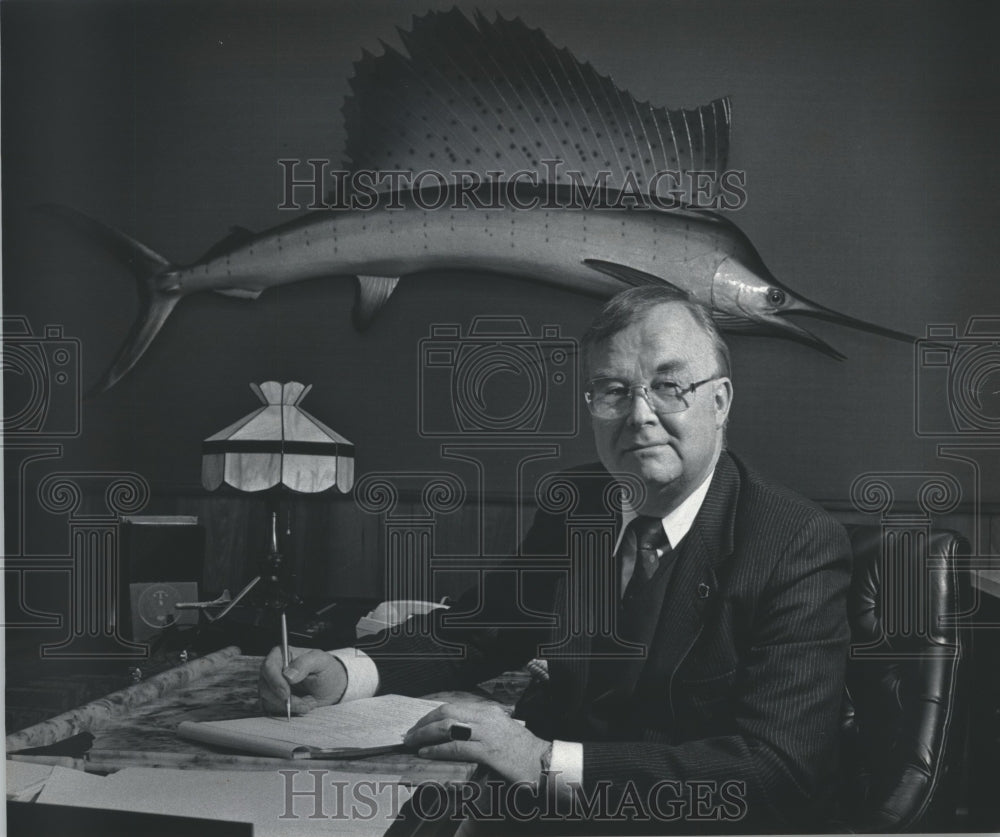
(338, 549)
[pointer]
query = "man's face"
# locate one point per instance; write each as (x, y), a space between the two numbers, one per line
(671, 453)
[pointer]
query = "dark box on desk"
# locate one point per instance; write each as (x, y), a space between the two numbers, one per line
(162, 551)
(29, 819)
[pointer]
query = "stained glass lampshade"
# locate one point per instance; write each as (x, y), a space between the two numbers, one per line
(279, 444)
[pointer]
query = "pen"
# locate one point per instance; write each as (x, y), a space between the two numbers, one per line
(285, 660)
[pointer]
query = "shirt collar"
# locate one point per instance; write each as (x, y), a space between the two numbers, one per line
(678, 522)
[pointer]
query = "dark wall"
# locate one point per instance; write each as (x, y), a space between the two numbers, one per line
(866, 131)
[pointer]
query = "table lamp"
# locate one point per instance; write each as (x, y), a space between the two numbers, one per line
(279, 447)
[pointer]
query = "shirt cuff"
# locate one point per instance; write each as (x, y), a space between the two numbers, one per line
(566, 767)
(362, 674)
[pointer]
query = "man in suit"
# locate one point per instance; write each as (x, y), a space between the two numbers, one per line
(732, 590)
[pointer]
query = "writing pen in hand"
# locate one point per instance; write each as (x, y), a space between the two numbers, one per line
(285, 660)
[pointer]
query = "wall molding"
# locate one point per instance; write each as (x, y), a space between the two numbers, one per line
(837, 505)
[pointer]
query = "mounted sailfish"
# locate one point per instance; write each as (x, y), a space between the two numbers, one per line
(499, 97)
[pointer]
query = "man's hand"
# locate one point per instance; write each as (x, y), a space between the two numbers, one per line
(313, 678)
(497, 741)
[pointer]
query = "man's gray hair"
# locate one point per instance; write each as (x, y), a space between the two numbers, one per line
(630, 305)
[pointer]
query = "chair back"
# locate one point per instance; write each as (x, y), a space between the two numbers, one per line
(901, 705)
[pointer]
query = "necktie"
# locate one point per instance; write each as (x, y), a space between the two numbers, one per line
(648, 535)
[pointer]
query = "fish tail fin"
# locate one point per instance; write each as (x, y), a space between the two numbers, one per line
(157, 295)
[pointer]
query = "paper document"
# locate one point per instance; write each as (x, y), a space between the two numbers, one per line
(392, 613)
(24, 779)
(355, 728)
(68, 783)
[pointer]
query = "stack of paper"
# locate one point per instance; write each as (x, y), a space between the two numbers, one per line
(24, 779)
(346, 730)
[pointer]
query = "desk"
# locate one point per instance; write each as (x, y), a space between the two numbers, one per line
(136, 727)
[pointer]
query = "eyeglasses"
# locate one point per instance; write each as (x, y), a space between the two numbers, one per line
(609, 398)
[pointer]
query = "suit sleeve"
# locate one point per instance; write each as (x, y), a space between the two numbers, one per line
(786, 699)
(494, 627)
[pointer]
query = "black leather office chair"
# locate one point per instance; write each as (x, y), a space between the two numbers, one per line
(903, 706)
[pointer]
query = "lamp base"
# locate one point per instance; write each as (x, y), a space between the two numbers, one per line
(325, 624)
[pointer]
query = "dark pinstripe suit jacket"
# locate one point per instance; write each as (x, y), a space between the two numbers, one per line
(744, 673)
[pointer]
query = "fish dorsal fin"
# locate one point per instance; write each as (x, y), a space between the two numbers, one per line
(497, 95)
(373, 293)
(237, 236)
(631, 276)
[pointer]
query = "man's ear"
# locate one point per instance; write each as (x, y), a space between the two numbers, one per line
(723, 400)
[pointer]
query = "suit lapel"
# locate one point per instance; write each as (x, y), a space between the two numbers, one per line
(707, 545)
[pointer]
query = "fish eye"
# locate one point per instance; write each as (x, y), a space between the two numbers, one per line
(776, 296)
